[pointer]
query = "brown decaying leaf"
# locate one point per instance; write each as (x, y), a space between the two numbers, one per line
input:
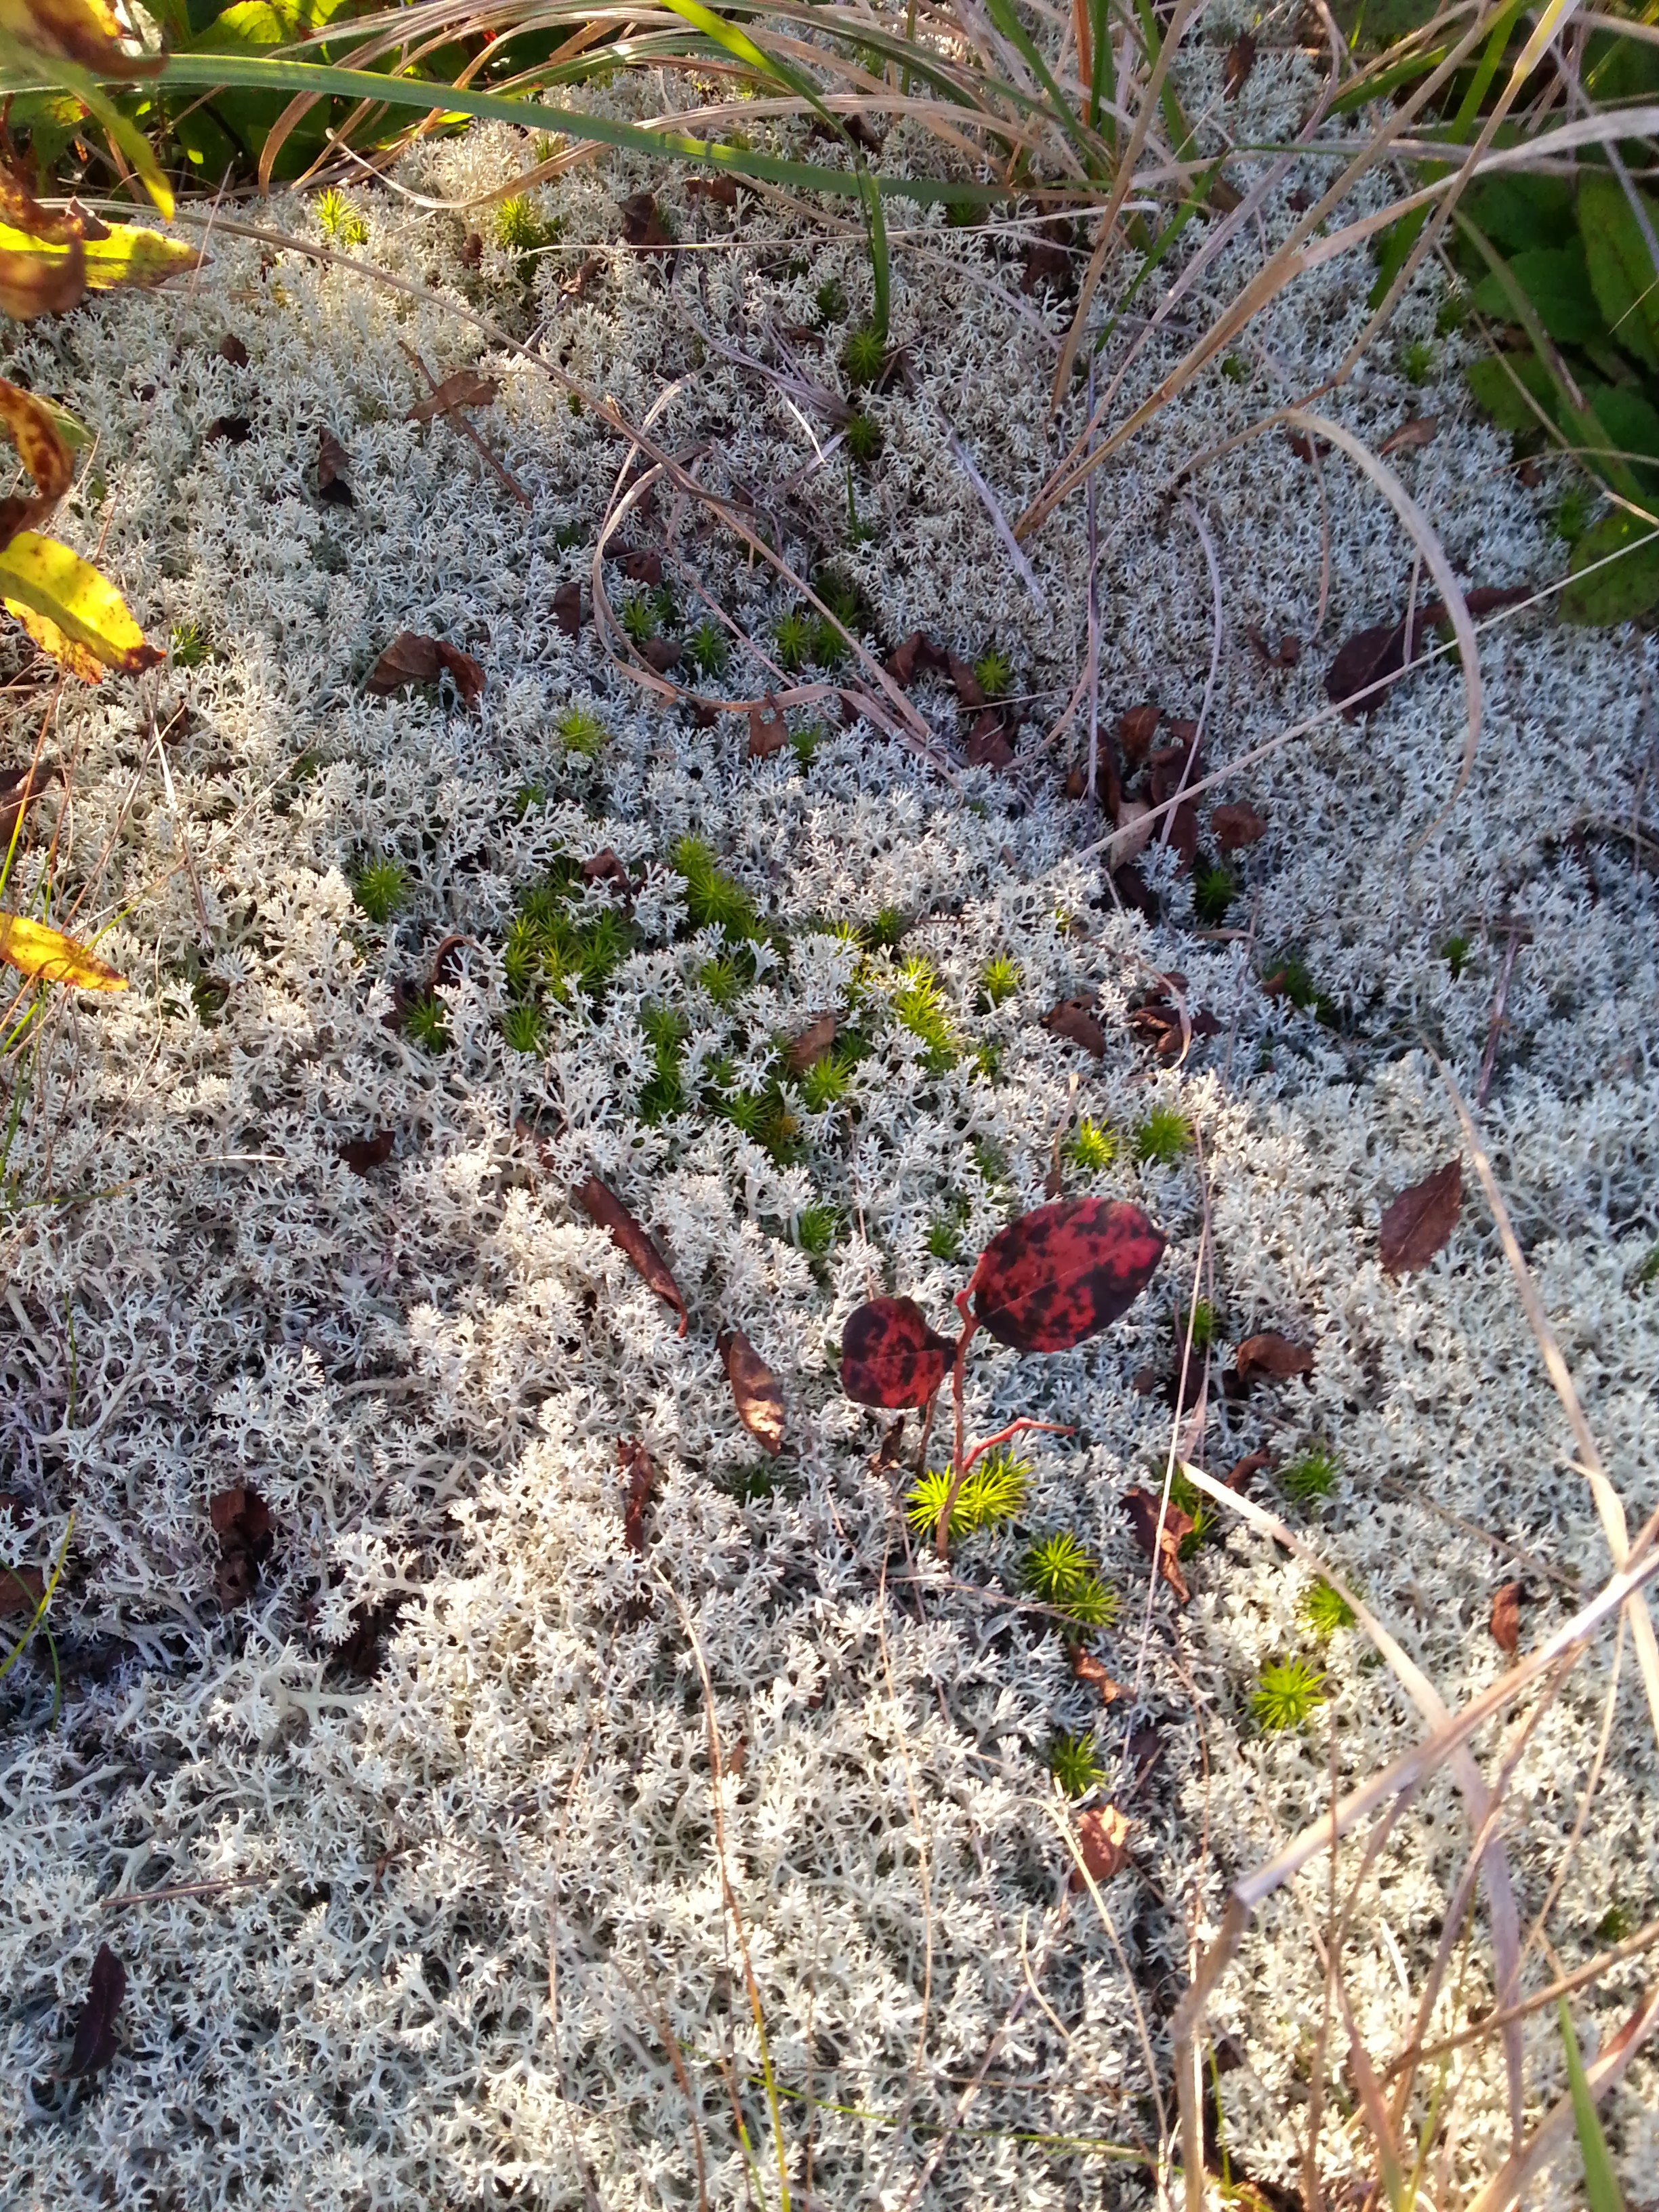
(95, 2032)
(1047, 268)
(1416, 1226)
(1306, 448)
(605, 866)
(603, 1206)
(40, 442)
(1418, 430)
(1285, 655)
(755, 1391)
(1244, 1471)
(988, 743)
(642, 227)
(412, 659)
(1270, 1353)
(1371, 656)
(331, 464)
(1235, 827)
(815, 1040)
(769, 732)
(1061, 1272)
(232, 349)
(1087, 1669)
(41, 283)
(241, 1520)
(22, 1589)
(640, 1470)
(567, 609)
(1172, 767)
(18, 789)
(916, 653)
(1135, 730)
(1074, 1020)
(1240, 60)
(1505, 1622)
(723, 191)
(463, 387)
(661, 653)
(1103, 1845)
(642, 567)
(362, 1154)
(1141, 1506)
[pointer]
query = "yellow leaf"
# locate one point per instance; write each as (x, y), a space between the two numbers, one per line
(40, 442)
(75, 599)
(50, 639)
(36, 281)
(129, 254)
(44, 33)
(48, 956)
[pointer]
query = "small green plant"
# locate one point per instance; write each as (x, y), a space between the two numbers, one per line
(829, 648)
(188, 646)
(520, 229)
(1072, 1762)
(379, 889)
(639, 618)
(1575, 514)
(825, 1083)
(1203, 1321)
(1312, 1475)
(1092, 1146)
(1325, 1609)
(581, 731)
(993, 671)
(1287, 1691)
(1417, 363)
(805, 743)
(944, 1239)
(1187, 1498)
(521, 955)
(526, 798)
(1455, 952)
(792, 635)
(427, 1023)
(1647, 1274)
(521, 1027)
(865, 355)
(1001, 978)
(921, 1007)
(724, 978)
(1235, 370)
(1614, 1926)
(1452, 312)
(1059, 1573)
(666, 1033)
(1214, 889)
(1163, 1137)
(888, 928)
(830, 301)
(338, 219)
(992, 1493)
(751, 1485)
(814, 1229)
(864, 438)
(707, 648)
(712, 896)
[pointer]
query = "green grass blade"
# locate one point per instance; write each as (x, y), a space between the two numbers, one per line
(1088, 146)
(1601, 2192)
(875, 224)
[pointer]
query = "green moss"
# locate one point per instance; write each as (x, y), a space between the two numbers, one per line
(992, 1493)
(1189, 1499)
(814, 1229)
(1203, 1325)
(829, 648)
(712, 896)
(1575, 514)
(1001, 978)
(1647, 1275)
(994, 672)
(864, 438)
(188, 646)
(1235, 370)
(1163, 1137)
(888, 928)
(1214, 891)
(338, 219)
(1417, 363)
(520, 229)
(1312, 1475)
(726, 978)
(379, 889)
(1325, 1609)
(864, 356)
(526, 798)
(1614, 1926)
(427, 1023)
(1092, 1146)
(581, 731)
(707, 648)
(944, 1239)
(521, 1027)
(921, 1007)
(1287, 1691)
(793, 636)
(639, 618)
(1072, 1761)
(1059, 1573)
(1455, 952)
(830, 301)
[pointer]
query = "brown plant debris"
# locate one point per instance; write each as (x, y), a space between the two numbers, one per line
(1420, 1221)
(755, 1391)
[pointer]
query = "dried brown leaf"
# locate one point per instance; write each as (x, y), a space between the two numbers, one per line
(463, 387)
(815, 1040)
(332, 465)
(1141, 1507)
(1417, 430)
(232, 349)
(661, 653)
(1240, 60)
(95, 2032)
(1270, 1353)
(1072, 1019)
(1103, 1845)
(755, 1391)
(1420, 1221)
(227, 430)
(18, 789)
(640, 1470)
(1235, 827)
(362, 1154)
(22, 1589)
(413, 659)
(567, 609)
(769, 732)
(1087, 1669)
(1505, 1622)
(1135, 730)
(603, 1207)
(642, 567)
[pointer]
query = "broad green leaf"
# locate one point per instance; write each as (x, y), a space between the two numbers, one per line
(1601, 2190)
(1557, 280)
(1631, 422)
(1621, 269)
(48, 956)
(1620, 68)
(51, 119)
(1628, 585)
(40, 574)
(1501, 383)
(1521, 212)
(130, 255)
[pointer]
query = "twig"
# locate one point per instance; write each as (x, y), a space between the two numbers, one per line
(1010, 545)
(453, 415)
(1489, 1059)
(186, 1889)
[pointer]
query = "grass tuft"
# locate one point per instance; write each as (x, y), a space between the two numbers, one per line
(1001, 978)
(339, 222)
(1093, 1146)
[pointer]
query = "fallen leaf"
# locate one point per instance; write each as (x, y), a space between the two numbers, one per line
(63, 601)
(641, 1469)
(1073, 1020)
(723, 191)
(1270, 1353)
(1244, 1471)
(1145, 1749)
(1058, 1274)
(769, 732)
(889, 1453)
(40, 444)
(1285, 655)
(22, 1589)
(1416, 1226)
(232, 349)
(1047, 268)
(1479, 599)
(755, 1390)
(970, 692)
(1135, 730)
(603, 1207)
(1419, 430)
(1173, 768)
(1235, 827)
(890, 1356)
(412, 659)
(362, 1154)
(1142, 1509)
(644, 568)
(18, 789)
(1145, 1381)
(642, 227)
(33, 283)
(1505, 1622)
(918, 651)
(471, 250)
(661, 653)
(1101, 1843)
(1240, 60)
(567, 609)
(988, 744)
(1135, 828)
(1136, 893)
(227, 430)
(815, 1040)
(1087, 1669)
(606, 868)
(241, 1520)
(1365, 660)
(332, 465)
(1306, 448)
(446, 962)
(47, 956)
(463, 387)
(95, 2032)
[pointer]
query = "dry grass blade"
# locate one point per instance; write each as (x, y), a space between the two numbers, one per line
(1603, 2073)
(1609, 1505)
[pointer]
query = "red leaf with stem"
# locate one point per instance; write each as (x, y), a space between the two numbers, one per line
(1060, 1273)
(890, 1356)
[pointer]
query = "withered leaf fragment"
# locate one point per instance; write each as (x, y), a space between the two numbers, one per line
(1141, 1507)
(661, 653)
(642, 227)
(241, 1520)
(1270, 1353)
(1074, 1019)
(1240, 60)
(95, 2032)
(755, 1391)
(362, 1154)
(890, 1356)
(1505, 1622)
(232, 349)
(642, 567)
(332, 465)
(769, 732)
(917, 652)
(1135, 730)
(603, 1207)
(567, 609)
(462, 387)
(1103, 1845)
(1416, 1226)
(1058, 1274)
(815, 1040)
(363, 1653)
(1235, 827)
(18, 789)
(412, 659)
(1087, 1669)
(1419, 430)
(640, 1471)
(22, 1589)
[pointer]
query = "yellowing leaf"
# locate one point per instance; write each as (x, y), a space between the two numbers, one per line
(36, 281)
(48, 956)
(45, 33)
(129, 254)
(78, 658)
(75, 598)
(40, 442)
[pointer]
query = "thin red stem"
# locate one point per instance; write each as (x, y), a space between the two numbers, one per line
(958, 1373)
(1002, 1436)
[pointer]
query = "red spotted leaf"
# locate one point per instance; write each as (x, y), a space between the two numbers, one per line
(890, 1357)
(602, 1206)
(755, 1391)
(95, 2032)
(1057, 1275)
(1420, 1221)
